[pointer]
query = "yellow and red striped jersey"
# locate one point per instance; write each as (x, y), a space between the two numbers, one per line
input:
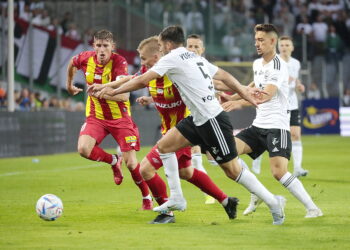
(167, 101)
(101, 74)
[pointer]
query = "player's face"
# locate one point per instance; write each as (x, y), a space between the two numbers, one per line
(103, 49)
(148, 58)
(164, 47)
(285, 47)
(264, 43)
(195, 45)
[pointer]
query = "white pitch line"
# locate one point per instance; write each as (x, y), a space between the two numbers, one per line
(51, 170)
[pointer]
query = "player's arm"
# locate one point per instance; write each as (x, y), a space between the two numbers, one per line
(118, 98)
(115, 84)
(234, 97)
(144, 100)
(71, 71)
(134, 84)
(299, 86)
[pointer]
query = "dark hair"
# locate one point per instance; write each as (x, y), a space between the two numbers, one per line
(104, 35)
(173, 34)
(266, 27)
(195, 36)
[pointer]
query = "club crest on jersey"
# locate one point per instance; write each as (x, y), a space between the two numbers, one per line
(160, 91)
(97, 77)
(130, 139)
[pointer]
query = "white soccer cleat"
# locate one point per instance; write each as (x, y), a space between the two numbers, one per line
(278, 211)
(313, 213)
(172, 204)
(300, 172)
(255, 201)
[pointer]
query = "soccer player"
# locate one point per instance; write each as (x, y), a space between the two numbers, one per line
(195, 44)
(105, 117)
(208, 124)
(270, 129)
(286, 47)
(172, 110)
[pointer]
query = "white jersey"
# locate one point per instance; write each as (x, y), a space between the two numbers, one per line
(274, 113)
(293, 69)
(192, 76)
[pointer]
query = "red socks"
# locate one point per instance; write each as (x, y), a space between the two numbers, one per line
(135, 174)
(158, 189)
(98, 154)
(203, 181)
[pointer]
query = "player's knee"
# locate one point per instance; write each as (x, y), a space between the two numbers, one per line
(295, 136)
(161, 148)
(186, 173)
(84, 151)
(147, 171)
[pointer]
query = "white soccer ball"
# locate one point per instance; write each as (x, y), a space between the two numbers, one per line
(49, 207)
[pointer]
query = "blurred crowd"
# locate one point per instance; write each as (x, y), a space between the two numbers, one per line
(26, 100)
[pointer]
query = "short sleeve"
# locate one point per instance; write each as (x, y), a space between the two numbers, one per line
(163, 65)
(77, 60)
(274, 77)
(121, 67)
(211, 67)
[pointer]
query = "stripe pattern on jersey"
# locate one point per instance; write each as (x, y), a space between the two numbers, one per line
(289, 181)
(100, 108)
(284, 138)
(219, 136)
(276, 63)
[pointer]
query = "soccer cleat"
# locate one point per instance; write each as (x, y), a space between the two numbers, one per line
(313, 213)
(164, 219)
(172, 204)
(255, 201)
(117, 170)
(231, 207)
(209, 200)
(147, 204)
(300, 172)
(278, 211)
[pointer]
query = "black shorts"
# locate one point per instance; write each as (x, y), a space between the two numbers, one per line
(216, 136)
(295, 119)
(276, 141)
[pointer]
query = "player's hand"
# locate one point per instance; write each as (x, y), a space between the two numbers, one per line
(95, 87)
(231, 105)
(300, 87)
(254, 95)
(144, 100)
(72, 90)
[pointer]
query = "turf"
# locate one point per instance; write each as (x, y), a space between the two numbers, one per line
(100, 215)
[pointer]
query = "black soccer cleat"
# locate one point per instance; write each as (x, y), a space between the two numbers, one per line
(231, 207)
(163, 219)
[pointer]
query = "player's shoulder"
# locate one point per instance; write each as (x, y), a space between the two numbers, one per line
(118, 58)
(257, 62)
(295, 61)
(85, 55)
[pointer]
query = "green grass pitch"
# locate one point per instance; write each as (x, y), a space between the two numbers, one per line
(100, 215)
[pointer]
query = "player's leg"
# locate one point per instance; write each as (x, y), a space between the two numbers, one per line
(297, 151)
(197, 163)
(211, 159)
(148, 169)
(256, 165)
(280, 140)
(91, 135)
(172, 141)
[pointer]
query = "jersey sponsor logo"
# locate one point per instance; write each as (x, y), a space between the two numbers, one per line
(168, 105)
(275, 141)
(131, 139)
(187, 55)
(97, 77)
(160, 91)
(275, 150)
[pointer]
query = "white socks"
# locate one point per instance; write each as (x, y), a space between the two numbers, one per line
(256, 165)
(171, 170)
(114, 160)
(250, 182)
(297, 154)
(294, 186)
(197, 162)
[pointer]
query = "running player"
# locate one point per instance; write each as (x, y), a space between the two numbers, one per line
(208, 124)
(105, 117)
(286, 47)
(270, 129)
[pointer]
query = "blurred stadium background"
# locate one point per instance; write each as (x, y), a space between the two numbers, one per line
(48, 33)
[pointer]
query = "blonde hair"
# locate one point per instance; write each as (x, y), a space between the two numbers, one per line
(151, 43)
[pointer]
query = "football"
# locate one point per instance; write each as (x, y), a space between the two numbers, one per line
(49, 207)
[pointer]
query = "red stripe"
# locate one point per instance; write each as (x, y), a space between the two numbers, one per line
(92, 108)
(123, 107)
(105, 109)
